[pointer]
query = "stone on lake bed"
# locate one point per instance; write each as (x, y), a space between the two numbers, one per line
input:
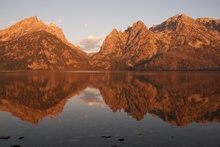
(16, 145)
(21, 137)
(5, 137)
(121, 139)
(106, 136)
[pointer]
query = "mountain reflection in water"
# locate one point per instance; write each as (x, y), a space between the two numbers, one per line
(176, 97)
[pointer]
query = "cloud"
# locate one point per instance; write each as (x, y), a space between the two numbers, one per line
(86, 25)
(92, 43)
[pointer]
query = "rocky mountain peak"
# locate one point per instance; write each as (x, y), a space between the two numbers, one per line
(114, 43)
(181, 17)
(137, 31)
(137, 26)
(173, 23)
(114, 31)
(32, 18)
(30, 25)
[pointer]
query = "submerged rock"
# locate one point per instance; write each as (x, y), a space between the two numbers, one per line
(21, 137)
(5, 137)
(121, 139)
(106, 136)
(16, 145)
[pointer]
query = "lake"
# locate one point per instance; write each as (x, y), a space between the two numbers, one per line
(111, 109)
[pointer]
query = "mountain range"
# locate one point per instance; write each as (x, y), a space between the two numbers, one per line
(179, 43)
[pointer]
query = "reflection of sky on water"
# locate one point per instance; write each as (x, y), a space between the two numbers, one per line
(91, 96)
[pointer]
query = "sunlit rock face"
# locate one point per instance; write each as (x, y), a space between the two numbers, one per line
(179, 43)
(32, 45)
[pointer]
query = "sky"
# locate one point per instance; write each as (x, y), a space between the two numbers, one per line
(86, 23)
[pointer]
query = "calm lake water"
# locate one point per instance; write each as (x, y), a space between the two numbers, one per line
(106, 109)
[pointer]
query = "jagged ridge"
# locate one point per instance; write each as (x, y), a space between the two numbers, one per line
(179, 43)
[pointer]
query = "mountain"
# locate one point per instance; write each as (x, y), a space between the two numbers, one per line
(179, 43)
(32, 45)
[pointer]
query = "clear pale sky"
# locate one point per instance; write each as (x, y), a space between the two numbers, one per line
(87, 22)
